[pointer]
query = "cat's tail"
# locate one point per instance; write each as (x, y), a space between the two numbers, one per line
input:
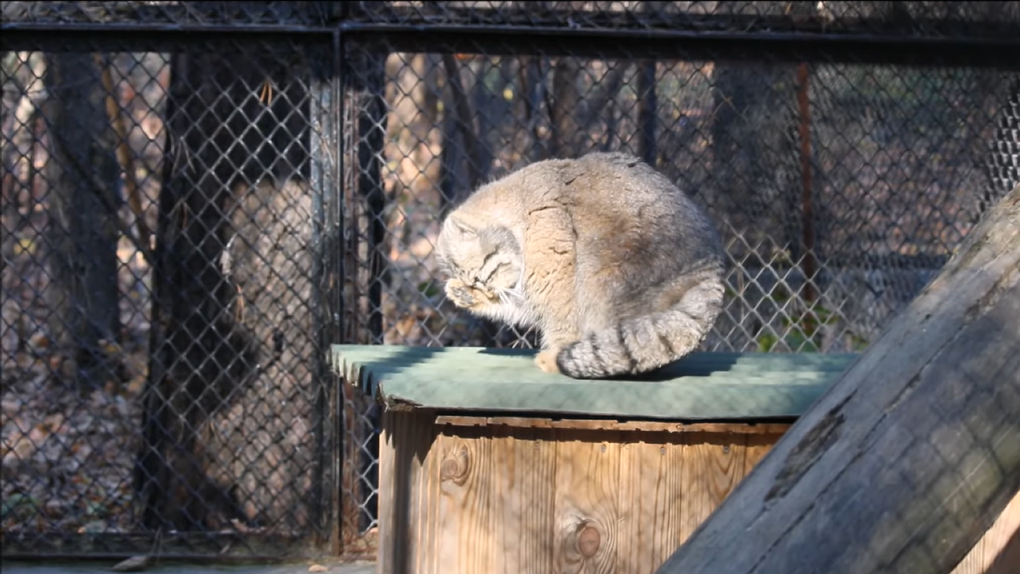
(645, 343)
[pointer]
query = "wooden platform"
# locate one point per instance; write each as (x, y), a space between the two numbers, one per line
(488, 465)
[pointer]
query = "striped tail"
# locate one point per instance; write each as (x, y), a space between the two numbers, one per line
(645, 343)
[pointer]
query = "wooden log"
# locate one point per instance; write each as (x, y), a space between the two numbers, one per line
(910, 456)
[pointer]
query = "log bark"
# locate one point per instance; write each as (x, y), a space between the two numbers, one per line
(914, 451)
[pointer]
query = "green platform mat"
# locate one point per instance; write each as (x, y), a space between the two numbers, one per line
(700, 387)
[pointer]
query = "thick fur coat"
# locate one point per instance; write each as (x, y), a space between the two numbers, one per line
(619, 270)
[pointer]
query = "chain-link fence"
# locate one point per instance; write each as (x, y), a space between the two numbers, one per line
(190, 219)
(167, 278)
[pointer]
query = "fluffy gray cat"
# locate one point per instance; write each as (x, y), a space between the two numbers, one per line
(619, 270)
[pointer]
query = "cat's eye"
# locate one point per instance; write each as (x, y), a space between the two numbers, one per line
(492, 272)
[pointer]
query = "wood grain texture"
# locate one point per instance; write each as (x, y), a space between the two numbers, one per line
(973, 562)
(389, 519)
(587, 502)
(907, 460)
(757, 447)
(1001, 546)
(517, 499)
(1008, 558)
(404, 445)
(463, 492)
(713, 464)
(994, 554)
(525, 500)
(651, 500)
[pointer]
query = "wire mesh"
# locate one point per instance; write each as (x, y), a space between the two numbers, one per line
(840, 189)
(163, 328)
(192, 14)
(186, 229)
(905, 19)
(871, 183)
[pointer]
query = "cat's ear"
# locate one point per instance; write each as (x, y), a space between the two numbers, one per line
(499, 238)
(459, 226)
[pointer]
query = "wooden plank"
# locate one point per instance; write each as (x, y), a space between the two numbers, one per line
(1007, 560)
(991, 554)
(1002, 543)
(464, 505)
(403, 446)
(999, 548)
(485, 497)
(524, 500)
(703, 387)
(973, 562)
(651, 500)
(713, 464)
(911, 455)
(613, 425)
(757, 446)
(426, 508)
(492, 505)
(587, 516)
(389, 515)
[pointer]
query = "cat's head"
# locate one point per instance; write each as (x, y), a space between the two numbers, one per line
(482, 255)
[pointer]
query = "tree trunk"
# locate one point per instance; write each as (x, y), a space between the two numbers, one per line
(566, 100)
(755, 159)
(648, 102)
(914, 451)
(228, 309)
(648, 106)
(1003, 163)
(532, 81)
(369, 88)
(461, 158)
(84, 177)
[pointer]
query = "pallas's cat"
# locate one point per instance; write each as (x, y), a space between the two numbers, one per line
(619, 270)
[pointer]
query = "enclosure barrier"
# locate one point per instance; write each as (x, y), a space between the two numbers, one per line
(199, 198)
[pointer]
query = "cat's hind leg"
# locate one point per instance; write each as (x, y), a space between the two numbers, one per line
(550, 248)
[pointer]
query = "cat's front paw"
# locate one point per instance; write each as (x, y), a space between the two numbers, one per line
(459, 293)
(463, 295)
(546, 360)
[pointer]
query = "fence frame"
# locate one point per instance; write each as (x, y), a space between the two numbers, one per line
(365, 26)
